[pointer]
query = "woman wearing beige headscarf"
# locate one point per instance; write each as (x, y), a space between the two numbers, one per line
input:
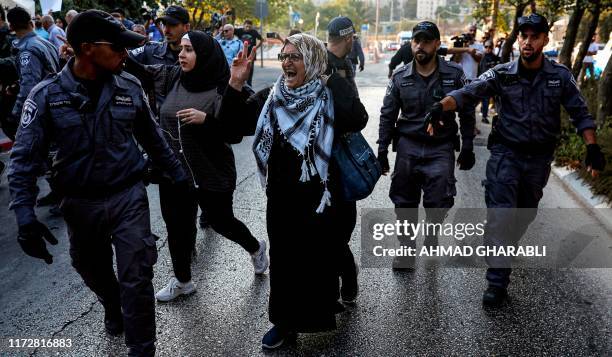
(295, 123)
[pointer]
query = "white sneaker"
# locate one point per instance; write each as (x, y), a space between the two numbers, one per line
(175, 289)
(260, 259)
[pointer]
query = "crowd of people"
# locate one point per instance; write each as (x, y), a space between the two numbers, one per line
(185, 100)
(184, 107)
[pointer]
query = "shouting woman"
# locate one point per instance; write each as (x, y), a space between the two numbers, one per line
(295, 123)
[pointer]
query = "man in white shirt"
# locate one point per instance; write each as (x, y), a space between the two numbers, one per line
(588, 59)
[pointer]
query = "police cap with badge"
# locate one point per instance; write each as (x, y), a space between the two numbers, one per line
(536, 22)
(427, 30)
(98, 26)
(340, 26)
(174, 15)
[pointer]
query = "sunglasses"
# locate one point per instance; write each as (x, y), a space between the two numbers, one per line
(292, 57)
(115, 47)
(225, 31)
(488, 46)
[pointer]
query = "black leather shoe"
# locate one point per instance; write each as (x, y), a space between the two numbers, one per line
(403, 263)
(113, 322)
(350, 286)
(276, 338)
(494, 297)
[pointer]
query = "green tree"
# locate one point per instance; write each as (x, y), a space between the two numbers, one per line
(131, 7)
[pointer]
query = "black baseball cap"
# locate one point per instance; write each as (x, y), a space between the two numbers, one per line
(340, 26)
(536, 22)
(174, 15)
(118, 10)
(95, 25)
(426, 29)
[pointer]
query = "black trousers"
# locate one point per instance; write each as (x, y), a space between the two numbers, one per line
(123, 220)
(180, 209)
(513, 189)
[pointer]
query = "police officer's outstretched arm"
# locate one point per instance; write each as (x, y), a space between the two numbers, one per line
(485, 86)
(386, 127)
(575, 105)
(149, 135)
(27, 162)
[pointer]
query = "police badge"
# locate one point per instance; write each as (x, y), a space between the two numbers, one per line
(28, 113)
(24, 58)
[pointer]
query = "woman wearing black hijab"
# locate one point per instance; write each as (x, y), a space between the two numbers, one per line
(188, 119)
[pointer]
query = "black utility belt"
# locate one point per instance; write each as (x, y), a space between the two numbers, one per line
(524, 148)
(103, 192)
(425, 138)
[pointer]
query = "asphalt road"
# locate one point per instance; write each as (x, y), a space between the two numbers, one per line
(431, 311)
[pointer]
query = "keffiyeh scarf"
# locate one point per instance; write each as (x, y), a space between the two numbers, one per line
(304, 116)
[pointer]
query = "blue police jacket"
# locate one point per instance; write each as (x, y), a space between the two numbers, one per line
(36, 58)
(154, 53)
(96, 151)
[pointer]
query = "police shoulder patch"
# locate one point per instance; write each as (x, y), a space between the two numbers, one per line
(137, 51)
(389, 87)
(490, 74)
(28, 113)
(24, 58)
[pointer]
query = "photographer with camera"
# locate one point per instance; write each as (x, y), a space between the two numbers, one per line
(468, 52)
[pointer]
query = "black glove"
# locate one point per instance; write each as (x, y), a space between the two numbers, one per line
(434, 116)
(595, 158)
(466, 159)
(153, 174)
(30, 239)
(436, 111)
(383, 160)
(361, 67)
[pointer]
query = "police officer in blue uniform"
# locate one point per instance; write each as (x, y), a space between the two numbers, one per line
(528, 94)
(93, 112)
(340, 32)
(424, 163)
(175, 24)
(35, 59)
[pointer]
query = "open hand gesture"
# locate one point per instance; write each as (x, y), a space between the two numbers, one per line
(241, 67)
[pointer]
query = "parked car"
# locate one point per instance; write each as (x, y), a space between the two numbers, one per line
(392, 47)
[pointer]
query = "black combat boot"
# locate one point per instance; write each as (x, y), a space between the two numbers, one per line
(494, 296)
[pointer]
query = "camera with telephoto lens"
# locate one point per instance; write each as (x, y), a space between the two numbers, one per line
(461, 40)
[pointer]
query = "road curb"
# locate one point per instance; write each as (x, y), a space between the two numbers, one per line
(576, 185)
